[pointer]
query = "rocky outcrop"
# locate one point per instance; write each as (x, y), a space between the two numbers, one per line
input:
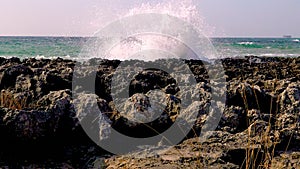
(259, 125)
(288, 120)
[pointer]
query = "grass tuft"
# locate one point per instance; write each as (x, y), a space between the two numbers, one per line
(8, 100)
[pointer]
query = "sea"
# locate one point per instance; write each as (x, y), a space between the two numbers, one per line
(71, 47)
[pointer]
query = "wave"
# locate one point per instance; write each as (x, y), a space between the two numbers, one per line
(221, 56)
(279, 55)
(296, 40)
(245, 43)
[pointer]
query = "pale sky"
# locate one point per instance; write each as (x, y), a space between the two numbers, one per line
(234, 18)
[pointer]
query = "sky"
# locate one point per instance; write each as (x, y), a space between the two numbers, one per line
(230, 18)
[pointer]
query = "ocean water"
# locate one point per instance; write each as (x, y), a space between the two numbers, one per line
(71, 47)
(273, 47)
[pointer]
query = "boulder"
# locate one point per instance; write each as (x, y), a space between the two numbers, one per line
(54, 114)
(288, 120)
(250, 97)
(10, 75)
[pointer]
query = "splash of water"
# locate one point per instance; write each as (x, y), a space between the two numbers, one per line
(129, 47)
(182, 9)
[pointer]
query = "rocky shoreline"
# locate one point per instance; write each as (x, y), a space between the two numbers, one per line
(260, 125)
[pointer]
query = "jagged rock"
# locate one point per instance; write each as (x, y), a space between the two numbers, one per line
(92, 118)
(288, 120)
(261, 113)
(221, 150)
(53, 81)
(130, 115)
(250, 97)
(10, 75)
(55, 113)
(138, 109)
(290, 99)
(233, 119)
(286, 160)
(23, 83)
(254, 115)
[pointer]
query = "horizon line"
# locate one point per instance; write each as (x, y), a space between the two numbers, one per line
(86, 36)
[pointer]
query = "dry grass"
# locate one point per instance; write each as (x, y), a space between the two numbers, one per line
(8, 100)
(267, 145)
(251, 159)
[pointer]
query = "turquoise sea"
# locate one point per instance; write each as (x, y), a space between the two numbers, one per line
(70, 47)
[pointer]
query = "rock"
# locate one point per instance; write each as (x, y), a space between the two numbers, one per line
(288, 120)
(138, 109)
(53, 81)
(290, 99)
(130, 115)
(55, 110)
(222, 150)
(93, 119)
(258, 128)
(250, 97)
(260, 121)
(254, 115)
(23, 83)
(10, 75)
(233, 120)
(286, 160)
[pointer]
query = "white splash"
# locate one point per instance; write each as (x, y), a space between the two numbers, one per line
(182, 9)
(185, 10)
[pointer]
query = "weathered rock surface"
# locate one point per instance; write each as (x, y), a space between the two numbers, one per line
(260, 124)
